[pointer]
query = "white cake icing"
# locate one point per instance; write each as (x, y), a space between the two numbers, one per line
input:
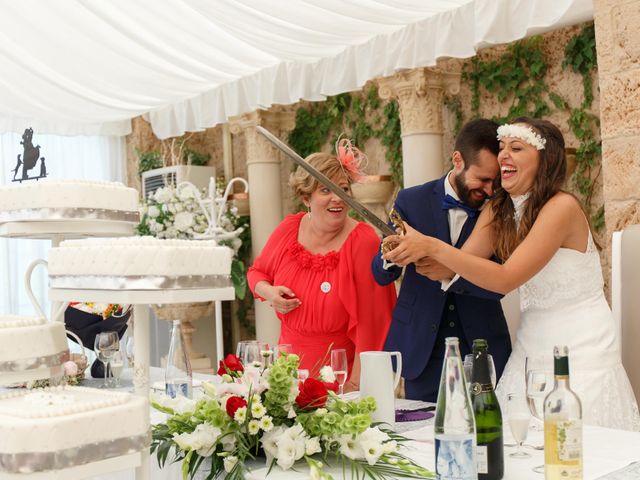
(67, 197)
(63, 418)
(139, 256)
(26, 338)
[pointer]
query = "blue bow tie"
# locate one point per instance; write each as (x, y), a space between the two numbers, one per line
(450, 202)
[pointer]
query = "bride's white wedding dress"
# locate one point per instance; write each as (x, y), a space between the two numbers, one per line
(564, 304)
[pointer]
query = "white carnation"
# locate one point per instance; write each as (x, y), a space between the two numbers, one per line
(327, 375)
(153, 211)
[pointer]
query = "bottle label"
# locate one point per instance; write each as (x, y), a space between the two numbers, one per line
(174, 389)
(478, 388)
(482, 459)
(569, 438)
(455, 457)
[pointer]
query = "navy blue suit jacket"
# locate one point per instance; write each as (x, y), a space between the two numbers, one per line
(417, 315)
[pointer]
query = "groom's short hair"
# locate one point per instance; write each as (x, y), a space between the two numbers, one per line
(477, 135)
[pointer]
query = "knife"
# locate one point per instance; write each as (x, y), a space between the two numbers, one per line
(363, 211)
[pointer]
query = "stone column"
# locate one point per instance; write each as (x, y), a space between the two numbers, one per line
(265, 193)
(420, 95)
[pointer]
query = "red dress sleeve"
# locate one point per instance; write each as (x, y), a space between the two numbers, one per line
(369, 304)
(265, 266)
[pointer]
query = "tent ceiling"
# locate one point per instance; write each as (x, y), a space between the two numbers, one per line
(89, 66)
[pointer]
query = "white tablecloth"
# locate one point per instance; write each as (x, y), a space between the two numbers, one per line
(605, 451)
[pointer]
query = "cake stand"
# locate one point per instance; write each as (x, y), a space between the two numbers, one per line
(141, 301)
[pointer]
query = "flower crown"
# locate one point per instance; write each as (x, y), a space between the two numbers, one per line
(351, 159)
(527, 134)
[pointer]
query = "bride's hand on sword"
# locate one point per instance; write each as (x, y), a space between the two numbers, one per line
(410, 247)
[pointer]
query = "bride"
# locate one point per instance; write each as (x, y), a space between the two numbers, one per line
(543, 236)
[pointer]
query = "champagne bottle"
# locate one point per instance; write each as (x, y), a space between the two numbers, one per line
(455, 430)
(562, 424)
(177, 376)
(488, 417)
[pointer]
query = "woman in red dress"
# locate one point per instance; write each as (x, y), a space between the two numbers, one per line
(315, 271)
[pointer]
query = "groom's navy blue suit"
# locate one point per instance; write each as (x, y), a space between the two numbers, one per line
(425, 315)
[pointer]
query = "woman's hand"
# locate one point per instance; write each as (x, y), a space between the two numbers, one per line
(411, 247)
(281, 298)
(433, 270)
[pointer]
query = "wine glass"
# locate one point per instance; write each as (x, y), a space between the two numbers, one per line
(539, 382)
(116, 367)
(266, 354)
(519, 417)
(339, 367)
(282, 349)
(468, 368)
(106, 344)
(251, 355)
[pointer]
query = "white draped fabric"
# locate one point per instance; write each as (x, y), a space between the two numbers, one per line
(91, 158)
(88, 66)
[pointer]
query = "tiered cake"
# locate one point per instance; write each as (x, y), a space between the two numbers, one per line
(56, 428)
(68, 200)
(30, 346)
(141, 263)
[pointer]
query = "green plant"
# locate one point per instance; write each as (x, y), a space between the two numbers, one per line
(148, 160)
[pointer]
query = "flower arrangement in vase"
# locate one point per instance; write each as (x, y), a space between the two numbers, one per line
(268, 409)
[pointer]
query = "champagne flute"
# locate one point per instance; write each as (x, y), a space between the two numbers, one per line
(339, 367)
(117, 366)
(106, 344)
(282, 349)
(519, 417)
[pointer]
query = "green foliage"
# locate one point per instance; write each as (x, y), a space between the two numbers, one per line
(195, 158)
(356, 115)
(148, 160)
(580, 56)
(453, 103)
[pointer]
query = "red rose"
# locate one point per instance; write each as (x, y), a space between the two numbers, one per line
(234, 403)
(230, 364)
(313, 394)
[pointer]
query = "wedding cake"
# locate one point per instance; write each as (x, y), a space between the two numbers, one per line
(61, 427)
(68, 200)
(28, 344)
(139, 263)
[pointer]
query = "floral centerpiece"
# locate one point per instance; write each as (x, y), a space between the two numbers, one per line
(269, 410)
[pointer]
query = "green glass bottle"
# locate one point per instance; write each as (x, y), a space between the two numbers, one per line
(486, 410)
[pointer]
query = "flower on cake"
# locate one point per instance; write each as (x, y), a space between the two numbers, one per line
(269, 409)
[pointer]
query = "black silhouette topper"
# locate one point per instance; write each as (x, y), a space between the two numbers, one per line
(29, 159)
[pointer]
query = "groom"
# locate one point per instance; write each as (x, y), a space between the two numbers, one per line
(431, 305)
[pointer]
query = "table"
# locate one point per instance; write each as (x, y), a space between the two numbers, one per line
(605, 451)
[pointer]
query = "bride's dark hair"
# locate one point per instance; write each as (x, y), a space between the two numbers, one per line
(549, 179)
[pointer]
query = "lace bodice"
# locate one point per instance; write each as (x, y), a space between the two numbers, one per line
(569, 274)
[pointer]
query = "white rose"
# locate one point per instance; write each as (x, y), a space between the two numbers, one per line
(327, 375)
(163, 195)
(183, 221)
(186, 193)
(179, 207)
(153, 211)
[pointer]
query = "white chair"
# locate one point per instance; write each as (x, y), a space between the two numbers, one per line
(625, 298)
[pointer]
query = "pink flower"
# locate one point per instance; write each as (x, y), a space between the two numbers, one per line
(70, 368)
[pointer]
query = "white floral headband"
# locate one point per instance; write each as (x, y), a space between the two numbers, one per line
(526, 134)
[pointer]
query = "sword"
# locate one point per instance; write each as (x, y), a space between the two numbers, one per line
(363, 211)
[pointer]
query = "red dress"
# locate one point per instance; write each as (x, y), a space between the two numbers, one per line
(341, 302)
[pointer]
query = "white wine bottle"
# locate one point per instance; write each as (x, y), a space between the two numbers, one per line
(562, 424)
(455, 429)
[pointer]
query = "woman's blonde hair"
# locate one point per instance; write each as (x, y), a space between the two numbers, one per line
(303, 184)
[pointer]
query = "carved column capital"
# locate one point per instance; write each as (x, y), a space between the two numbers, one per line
(420, 94)
(277, 121)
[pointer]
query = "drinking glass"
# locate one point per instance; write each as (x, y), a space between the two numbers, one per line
(282, 348)
(468, 367)
(106, 344)
(339, 367)
(241, 349)
(251, 355)
(266, 354)
(129, 351)
(117, 366)
(519, 417)
(539, 378)
(303, 374)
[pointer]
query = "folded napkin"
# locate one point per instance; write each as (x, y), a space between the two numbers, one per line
(414, 415)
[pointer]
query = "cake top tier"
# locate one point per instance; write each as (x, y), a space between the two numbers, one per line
(18, 321)
(127, 242)
(58, 401)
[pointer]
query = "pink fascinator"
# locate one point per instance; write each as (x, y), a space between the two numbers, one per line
(351, 159)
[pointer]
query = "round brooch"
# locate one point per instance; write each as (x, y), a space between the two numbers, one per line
(325, 287)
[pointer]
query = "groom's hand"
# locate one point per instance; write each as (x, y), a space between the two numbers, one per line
(433, 269)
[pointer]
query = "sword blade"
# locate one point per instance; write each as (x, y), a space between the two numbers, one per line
(363, 211)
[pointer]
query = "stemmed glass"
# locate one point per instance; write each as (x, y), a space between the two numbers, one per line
(266, 354)
(519, 417)
(251, 355)
(539, 382)
(106, 345)
(129, 350)
(241, 349)
(339, 367)
(281, 349)
(117, 365)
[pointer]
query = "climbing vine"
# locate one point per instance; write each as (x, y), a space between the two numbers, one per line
(357, 115)
(519, 78)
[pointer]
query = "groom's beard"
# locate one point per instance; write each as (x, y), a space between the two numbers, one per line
(465, 192)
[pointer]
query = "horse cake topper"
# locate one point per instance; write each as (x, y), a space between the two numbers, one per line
(29, 159)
